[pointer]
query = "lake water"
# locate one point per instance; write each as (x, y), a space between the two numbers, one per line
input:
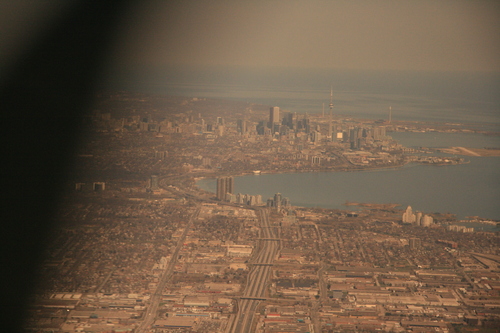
(459, 97)
(422, 96)
(471, 189)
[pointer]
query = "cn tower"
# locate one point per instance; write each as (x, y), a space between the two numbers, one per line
(331, 102)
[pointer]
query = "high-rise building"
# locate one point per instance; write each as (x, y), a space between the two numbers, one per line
(408, 216)
(277, 201)
(258, 199)
(418, 218)
(315, 136)
(427, 221)
(274, 116)
(242, 126)
(353, 137)
(225, 185)
(288, 120)
(285, 202)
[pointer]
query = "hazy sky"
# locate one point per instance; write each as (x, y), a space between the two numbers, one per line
(354, 34)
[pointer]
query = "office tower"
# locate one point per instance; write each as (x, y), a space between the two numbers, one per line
(231, 198)
(379, 133)
(418, 218)
(306, 124)
(427, 221)
(274, 116)
(330, 131)
(220, 130)
(260, 127)
(285, 202)
(288, 120)
(221, 188)
(220, 121)
(408, 216)
(154, 182)
(225, 185)
(415, 243)
(315, 136)
(277, 201)
(241, 126)
(229, 184)
(353, 137)
(390, 114)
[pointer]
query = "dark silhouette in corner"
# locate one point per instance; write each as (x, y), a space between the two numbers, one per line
(43, 97)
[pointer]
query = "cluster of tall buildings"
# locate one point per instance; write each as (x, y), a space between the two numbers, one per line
(417, 218)
(358, 136)
(280, 123)
(245, 199)
(285, 123)
(278, 202)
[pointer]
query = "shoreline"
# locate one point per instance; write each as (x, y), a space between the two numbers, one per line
(476, 152)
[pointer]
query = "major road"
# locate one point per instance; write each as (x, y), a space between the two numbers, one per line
(258, 277)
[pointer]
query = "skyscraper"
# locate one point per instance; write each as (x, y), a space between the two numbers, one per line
(427, 221)
(408, 216)
(242, 126)
(277, 201)
(225, 185)
(274, 116)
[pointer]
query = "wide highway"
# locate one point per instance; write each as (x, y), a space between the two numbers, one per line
(257, 278)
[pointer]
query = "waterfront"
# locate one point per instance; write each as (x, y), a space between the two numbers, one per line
(466, 98)
(465, 190)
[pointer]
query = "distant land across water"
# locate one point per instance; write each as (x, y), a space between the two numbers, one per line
(458, 97)
(448, 97)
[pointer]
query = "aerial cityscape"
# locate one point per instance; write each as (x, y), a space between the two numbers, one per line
(250, 166)
(142, 248)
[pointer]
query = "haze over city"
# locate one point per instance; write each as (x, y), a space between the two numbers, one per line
(251, 166)
(358, 35)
